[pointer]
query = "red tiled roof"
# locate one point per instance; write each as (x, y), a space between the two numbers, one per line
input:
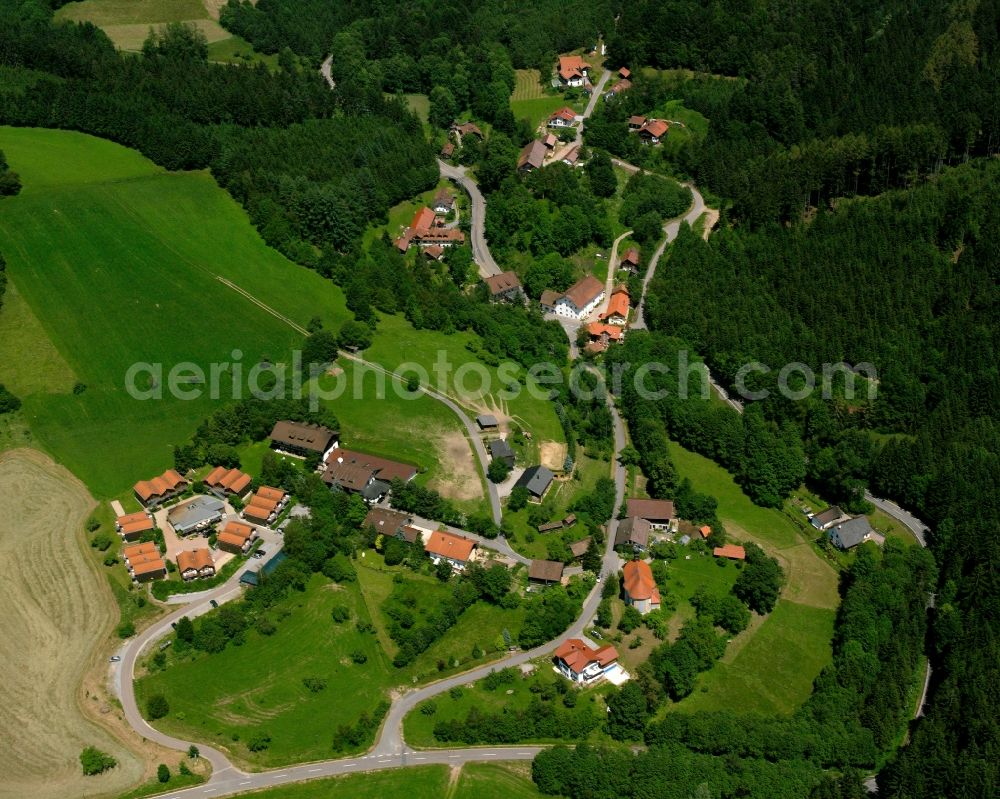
(705, 531)
(584, 291)
(598, 329)
(448, 545)
(138, 550)
(572, 66)
(231, 539)
(656, 127)
(502, 282)
(533, 155)
(423, 219)
(238, 529)
(435, 251)
(138, 526)
(639, 583)
(150, 566)
(733, 551)
(158, 486)
(565, 114)
(631, 256)
(577, 655)
(624, 72)
(637, 119)
(618, 305)
(269, 492)
(194, 559)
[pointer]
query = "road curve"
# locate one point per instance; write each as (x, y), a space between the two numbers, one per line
(480, 250)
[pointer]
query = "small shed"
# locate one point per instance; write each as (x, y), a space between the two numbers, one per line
(487, 421)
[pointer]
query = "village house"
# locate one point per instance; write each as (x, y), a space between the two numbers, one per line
(619, 308)
(236, 537)
(572, 156)
(230, 482)
(144, 562)
(579, 548)
(548, 300)
(160, 489)
(630, 260)
(658, 512)
(580, 299)
(454, 549)
(550, 140)
(504, 287)
(633, 533)
(444, 202)
(532, 156)
(536, 480)
(501, 451)
(435, 252)
(580, 663)
(573, 71)
(603, 335)
(386, 521)
(467, 129)
(546, 572)
(132, 525)
(731, 551)
(619, 88)
(640, 588)
(705, 531)
(197, 515)
(195, 563)
(624, 73)
(297, 438)
(265, 505)
(636, 122)
(826, 519)
(653, 131)
(847, 535)
(426, 230)
(447, 149)
(364, 474)
(563, 118)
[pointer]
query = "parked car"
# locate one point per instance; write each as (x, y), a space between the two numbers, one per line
(115, 658)
(259, 554)
(213, 603)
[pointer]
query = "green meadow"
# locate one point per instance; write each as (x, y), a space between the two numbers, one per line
(113, 262)
(469, 781)
(770, 666)
(127, 22)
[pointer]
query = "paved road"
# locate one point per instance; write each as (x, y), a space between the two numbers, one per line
(672, 228)
(609, 284)
(480, 250)
(470, 427)
(595, 95)
(499, 544)
(325, 71)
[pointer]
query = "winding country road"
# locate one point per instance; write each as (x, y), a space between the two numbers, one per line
(480, 250)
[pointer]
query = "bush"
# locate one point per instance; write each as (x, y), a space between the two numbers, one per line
(93, 524)
(314, 684)
(126, 629)
(163, 773)
(456, 693)
(265, 626)
(110, 560)
(193, 751)
(631, 618)
(94, 761)
(359, 657)
(102, 542)
(340, 614)
(259, 742)
(183, 770)
(157, 707)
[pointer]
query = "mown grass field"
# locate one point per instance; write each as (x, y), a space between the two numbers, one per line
(472, 781)
(258, 687)
(137, 255)
(237, 50)
(422, 431)
(793, 641)
(127, 22)
(398, 342)
(528, 86)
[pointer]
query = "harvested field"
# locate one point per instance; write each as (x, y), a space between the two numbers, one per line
(56, 610)
(459, 477)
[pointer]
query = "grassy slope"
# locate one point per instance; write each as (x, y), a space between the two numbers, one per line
(475, 781)
(398, 342)
(769, 667)
(127, 22)
(420, 433)
(135, 252)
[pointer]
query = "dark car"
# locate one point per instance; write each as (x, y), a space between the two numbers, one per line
(213, 603)
(259, 553)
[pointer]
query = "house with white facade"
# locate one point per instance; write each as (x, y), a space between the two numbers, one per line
(580, 299)
(578, 662)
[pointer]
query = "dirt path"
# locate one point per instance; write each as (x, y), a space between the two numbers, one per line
(56, 609)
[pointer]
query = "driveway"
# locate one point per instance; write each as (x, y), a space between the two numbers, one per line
(477, 207)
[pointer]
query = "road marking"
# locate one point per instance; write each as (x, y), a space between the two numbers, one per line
(488, 754)
(245, 783)
(420, 758)
(454, 756)
(387, 760)
(524, 753)
(278, 776)
(314, 770)
(349, 765)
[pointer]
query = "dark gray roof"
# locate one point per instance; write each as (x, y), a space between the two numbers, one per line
(375, 489)
(501, 449)
(850, 533)
(831, 514)
(487, 420)
(633, 530)
(197, 511)
(536, 480)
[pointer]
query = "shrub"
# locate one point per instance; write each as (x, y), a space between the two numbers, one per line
(93, 524)
(265, 626)
(193, 751)
(428, 708)
(163, 773)
(157, 707)
(259, 742)
(359, 657)
(340, 614)
(126, 629)
(94, 761)
(456, 693)
(183, 770)
(314, 684)
(110, 560)
(102, 542)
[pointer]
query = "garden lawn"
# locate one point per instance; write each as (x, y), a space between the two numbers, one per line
(794, 640)
(237, 50)
(381, 417)
(258, 687)
(137, 254)
(397, 342)
(528, 85)
(538, 110)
